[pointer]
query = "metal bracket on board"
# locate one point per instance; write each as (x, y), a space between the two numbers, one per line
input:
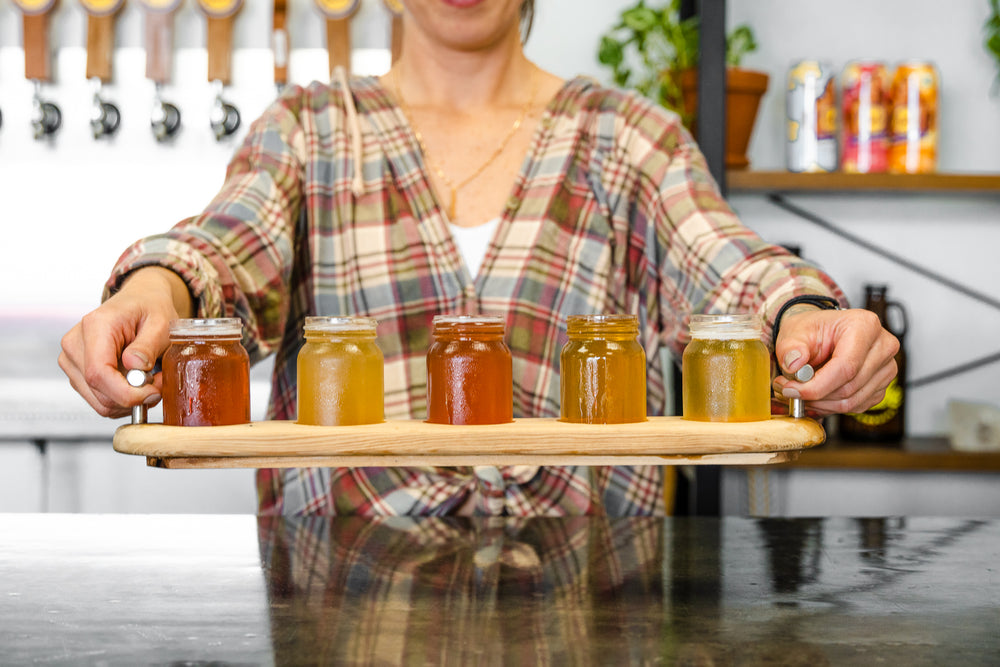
(796, 406)
(138, 378)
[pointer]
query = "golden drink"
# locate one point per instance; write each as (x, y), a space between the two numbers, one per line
(340, 373)
(603, 371)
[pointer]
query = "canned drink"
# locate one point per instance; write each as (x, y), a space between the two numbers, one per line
(913, 128)
(811, 117)
(865, 105)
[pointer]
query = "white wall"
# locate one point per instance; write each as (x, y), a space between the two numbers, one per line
(68, 207)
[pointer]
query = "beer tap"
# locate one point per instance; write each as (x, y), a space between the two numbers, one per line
(165, 119)
(220, 15)
(104, 115)
(46, 116)
(224, 117)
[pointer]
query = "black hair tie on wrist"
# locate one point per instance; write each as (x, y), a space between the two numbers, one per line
(820, 301)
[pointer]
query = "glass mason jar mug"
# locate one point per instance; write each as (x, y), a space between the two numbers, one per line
(726, 370)
(340, 372)
(206, 373)
(603, 371)
(469, 372)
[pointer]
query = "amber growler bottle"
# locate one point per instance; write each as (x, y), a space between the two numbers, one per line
(884, 422)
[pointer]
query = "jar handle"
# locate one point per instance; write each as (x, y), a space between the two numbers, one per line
(902, 315)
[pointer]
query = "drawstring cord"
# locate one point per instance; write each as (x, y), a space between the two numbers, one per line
(354, 127)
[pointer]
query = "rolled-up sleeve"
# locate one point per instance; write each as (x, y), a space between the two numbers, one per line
(236, 256)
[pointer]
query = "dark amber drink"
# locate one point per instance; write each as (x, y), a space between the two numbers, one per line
(603, 371)
(469, 373)
(340, 370)
(206, 374)
(726, 370)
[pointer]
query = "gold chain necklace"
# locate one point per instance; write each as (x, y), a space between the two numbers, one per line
(455, 187)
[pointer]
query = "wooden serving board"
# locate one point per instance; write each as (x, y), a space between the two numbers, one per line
(286, 444)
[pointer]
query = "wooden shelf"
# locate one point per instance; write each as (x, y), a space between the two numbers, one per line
(746, 181)
(913, 454)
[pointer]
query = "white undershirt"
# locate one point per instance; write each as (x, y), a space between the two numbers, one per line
(473, 243)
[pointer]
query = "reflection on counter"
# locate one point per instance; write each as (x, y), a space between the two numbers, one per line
(596, 591)
(167, 589)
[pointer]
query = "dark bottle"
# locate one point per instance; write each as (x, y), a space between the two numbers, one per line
(884, 422)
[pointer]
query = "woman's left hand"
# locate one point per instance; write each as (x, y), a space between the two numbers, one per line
(852, 353)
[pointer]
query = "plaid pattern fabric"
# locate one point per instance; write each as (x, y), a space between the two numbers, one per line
(614, 211)
(431, 590)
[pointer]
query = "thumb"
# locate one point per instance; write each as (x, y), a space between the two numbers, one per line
(791, 354)
(147, 346)
(796, 343)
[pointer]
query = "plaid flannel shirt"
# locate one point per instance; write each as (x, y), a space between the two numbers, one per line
(613, 211)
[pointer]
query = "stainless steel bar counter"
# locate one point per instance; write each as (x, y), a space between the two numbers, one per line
(137, 589)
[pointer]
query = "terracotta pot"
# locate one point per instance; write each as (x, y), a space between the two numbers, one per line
(744, 88)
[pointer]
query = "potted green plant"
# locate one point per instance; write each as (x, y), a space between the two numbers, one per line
(992, 40)
(655, 51)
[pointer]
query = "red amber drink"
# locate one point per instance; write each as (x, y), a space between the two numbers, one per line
(603, 371)
(469, 373)
(726, 370)
(340, 371)
(865, 104)
(206, 374)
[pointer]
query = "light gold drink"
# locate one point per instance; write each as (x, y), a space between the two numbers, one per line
(340, 373)
(726, 370)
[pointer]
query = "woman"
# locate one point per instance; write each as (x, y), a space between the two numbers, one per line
(379, 197)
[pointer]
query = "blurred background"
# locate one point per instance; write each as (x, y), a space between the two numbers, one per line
(70, 203)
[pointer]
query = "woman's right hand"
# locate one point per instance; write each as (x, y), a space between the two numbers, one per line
(129, 330)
